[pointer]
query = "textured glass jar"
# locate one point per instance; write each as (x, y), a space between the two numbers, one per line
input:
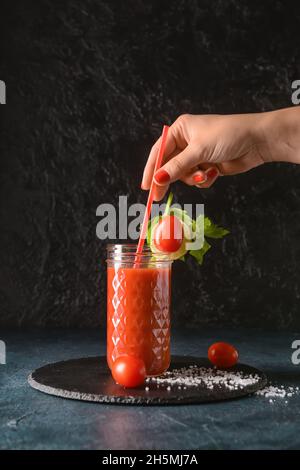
(138, 307)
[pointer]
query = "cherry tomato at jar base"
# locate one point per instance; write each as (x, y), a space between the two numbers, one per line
(168, 235)
(223, 355)
(129, 371)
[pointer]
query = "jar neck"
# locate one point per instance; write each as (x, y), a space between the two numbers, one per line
(126, 256)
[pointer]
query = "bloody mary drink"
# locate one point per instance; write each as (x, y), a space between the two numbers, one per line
(138, 307)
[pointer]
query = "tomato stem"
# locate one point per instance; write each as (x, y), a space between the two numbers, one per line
(168, 204)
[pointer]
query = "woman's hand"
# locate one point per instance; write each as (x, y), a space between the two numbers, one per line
(201, 148)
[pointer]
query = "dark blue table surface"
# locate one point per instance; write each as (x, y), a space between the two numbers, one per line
(32, 420)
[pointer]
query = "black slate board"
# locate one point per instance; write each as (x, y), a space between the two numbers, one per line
(89, 379)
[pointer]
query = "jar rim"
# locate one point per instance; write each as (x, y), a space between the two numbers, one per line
(127, 253)
(130, 246)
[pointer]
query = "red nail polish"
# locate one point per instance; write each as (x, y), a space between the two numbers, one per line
(162, 177)
(212, 173)
(200, 178)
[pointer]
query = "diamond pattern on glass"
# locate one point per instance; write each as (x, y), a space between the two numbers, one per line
(146, 336)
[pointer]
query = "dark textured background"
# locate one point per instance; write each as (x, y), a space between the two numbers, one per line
(89, 85)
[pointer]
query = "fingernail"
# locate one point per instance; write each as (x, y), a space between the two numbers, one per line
(200, 178)
(162, 177)
(212, 173)
(142, 186)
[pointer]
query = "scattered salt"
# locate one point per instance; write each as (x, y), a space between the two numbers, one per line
(277, 392)
(194, 376)
(211, 378)
(147, 389)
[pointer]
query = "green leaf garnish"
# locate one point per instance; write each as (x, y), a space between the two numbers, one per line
(211, 230)
(199, 254)
(214, 231)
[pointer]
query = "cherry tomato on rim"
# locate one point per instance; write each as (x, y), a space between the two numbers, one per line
(129, 371)
(223, 355)
(168, 234)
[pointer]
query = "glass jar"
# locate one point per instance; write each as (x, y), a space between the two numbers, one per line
(138, 307)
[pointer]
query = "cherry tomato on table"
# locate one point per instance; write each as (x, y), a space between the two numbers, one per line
(168, 234)
(223, 355)
(129, 371)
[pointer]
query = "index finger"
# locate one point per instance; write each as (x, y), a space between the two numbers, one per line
(150, 165)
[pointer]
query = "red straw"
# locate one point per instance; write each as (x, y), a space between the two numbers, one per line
(151, 192)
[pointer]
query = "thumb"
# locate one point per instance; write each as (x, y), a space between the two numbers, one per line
(177, 167)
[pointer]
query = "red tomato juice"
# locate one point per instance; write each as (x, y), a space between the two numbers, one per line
(138, 315)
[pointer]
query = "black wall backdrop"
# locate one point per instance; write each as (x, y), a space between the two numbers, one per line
(89, 85)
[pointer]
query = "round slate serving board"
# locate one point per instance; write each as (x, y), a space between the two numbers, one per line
(89, 379)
